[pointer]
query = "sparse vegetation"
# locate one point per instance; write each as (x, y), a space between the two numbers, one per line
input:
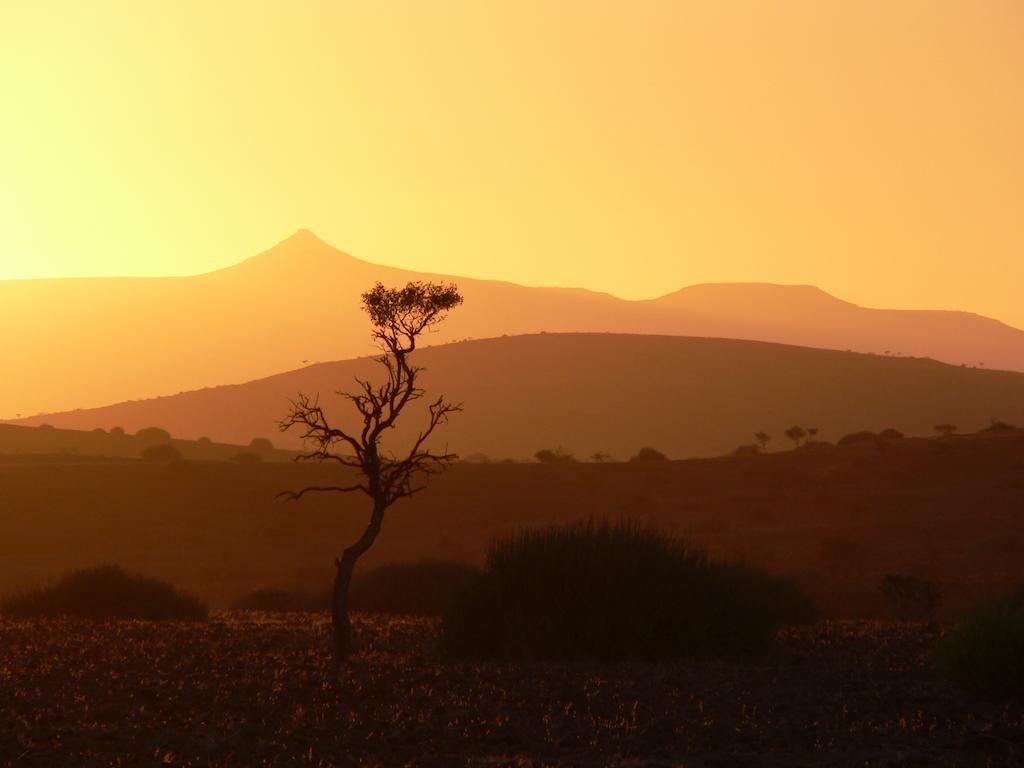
(945, 429)
(998, 427)
(106, 592)
(426, 588)
(985, 652)
(261, 444)
(911, 598)
(620, 591)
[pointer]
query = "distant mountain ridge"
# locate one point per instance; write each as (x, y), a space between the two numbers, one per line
(611, 393)
(88, 342)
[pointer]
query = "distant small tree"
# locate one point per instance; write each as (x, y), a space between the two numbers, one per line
(261, 444)
(648, 454)
(796, 434)
(945, 429)
(763, 438)
(399, 316)
(812, 432)
(600, 457)
(117, 431)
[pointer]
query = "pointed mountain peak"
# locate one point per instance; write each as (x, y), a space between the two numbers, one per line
(301, 249)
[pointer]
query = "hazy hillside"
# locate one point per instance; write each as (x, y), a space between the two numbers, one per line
(18, 441)
(614, 393)
(86, 342)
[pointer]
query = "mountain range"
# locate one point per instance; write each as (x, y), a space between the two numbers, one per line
(93, 341)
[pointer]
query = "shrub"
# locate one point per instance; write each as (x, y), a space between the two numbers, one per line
(261, 444)
(153, 435)
(426, 588)
(911, 598)
(107, 592)
(888, 435)
(162, 452)
(649, 454)
(117, 431)
(204, 441)
(615, 592)
(985, 652)
(557, 456)
(283, 601)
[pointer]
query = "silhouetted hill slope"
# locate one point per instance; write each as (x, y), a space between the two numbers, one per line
(18, 442)
(86, 342)
(613, 393)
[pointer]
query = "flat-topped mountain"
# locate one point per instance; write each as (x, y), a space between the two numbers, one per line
(610, 393)
(86, 342)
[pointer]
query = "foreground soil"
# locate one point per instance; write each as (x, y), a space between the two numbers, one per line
(246, 690)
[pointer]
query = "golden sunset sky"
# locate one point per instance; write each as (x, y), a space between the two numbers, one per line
(874, 148)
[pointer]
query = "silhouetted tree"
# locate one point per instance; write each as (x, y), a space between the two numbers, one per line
(945, 429)
(261, 444)
(600, 457)
(812, 432)
(796, 434)
(398, 316)
(763, 438)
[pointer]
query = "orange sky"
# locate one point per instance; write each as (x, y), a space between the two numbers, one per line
(873, 147)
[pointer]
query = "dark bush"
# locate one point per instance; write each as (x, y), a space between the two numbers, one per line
(284, 601)
(615, 592)
(117, 431)
(985, 652)
(557, 456)
(911, 598)
(649, 454)
(261, 444)
(889, 435)
(153, 435)
(426, 588)
(107, 592)
(204, 441)
(162, 452)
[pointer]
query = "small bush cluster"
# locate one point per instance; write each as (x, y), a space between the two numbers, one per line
(426, 588)
(622, 591)
(106, 592)
(985, 653)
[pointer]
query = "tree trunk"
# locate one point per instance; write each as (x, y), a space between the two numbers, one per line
(340, 621)
(345, 566)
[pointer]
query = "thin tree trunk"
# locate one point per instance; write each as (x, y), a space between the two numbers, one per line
(340, 621)
(345, 566)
